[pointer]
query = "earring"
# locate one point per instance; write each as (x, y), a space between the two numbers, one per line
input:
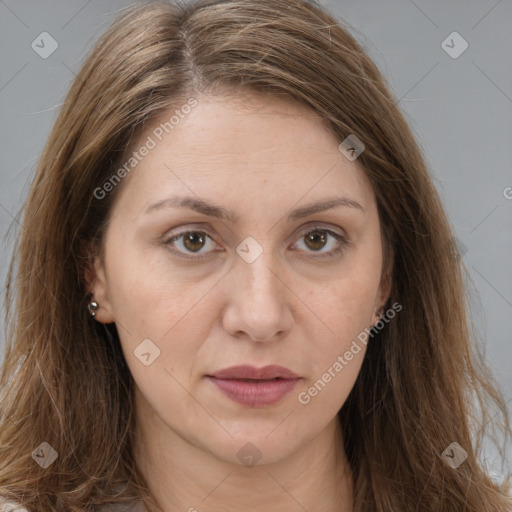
(93, 307)
(380, 314)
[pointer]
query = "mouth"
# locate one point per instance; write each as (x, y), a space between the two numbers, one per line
(255, 387)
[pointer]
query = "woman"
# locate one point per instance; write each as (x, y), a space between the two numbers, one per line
(236, 284)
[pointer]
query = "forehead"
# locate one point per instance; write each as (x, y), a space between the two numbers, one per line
(243, 145)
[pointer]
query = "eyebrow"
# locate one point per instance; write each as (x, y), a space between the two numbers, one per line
(219, 212)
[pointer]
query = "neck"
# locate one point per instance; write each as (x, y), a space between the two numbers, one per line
(184, 477)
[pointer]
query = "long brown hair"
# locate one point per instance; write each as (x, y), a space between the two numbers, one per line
(65, 382)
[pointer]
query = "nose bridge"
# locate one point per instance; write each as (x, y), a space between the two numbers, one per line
(260, 277)
(258, 306)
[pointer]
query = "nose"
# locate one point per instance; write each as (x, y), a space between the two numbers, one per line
(259, 304)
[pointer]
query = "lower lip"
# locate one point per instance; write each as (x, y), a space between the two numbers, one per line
(255, 393)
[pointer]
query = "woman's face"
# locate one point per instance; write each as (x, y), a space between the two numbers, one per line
(251, 270)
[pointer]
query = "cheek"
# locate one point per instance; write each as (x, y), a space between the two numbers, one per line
(173, 316)
(147, 293)
(324, 395)
(336, 359)
(346, 308)
(167, 328)
(153, 301)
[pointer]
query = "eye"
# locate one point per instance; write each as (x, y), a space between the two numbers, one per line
(190, 242)
(196, 245)
(322, 241)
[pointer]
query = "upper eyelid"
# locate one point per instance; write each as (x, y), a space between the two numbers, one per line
(308, 226)
(303, 230)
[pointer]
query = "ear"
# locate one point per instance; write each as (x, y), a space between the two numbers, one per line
(384, 292)
(96, 283)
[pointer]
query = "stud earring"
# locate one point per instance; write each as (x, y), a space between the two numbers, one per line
(93, 307)
(380, 314)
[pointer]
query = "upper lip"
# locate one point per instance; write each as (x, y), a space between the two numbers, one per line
(272, 371)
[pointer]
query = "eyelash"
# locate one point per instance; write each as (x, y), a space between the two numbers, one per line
(343, 243)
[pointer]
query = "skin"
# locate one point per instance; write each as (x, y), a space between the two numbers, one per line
(260, 157)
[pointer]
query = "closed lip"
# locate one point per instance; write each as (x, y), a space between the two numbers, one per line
(268, 372)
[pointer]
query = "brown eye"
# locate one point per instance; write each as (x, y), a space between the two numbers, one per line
(324, 242)
(190, 243)
(194, 241)
(316, 239)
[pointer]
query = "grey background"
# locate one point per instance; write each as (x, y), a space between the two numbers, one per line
(459, 109)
